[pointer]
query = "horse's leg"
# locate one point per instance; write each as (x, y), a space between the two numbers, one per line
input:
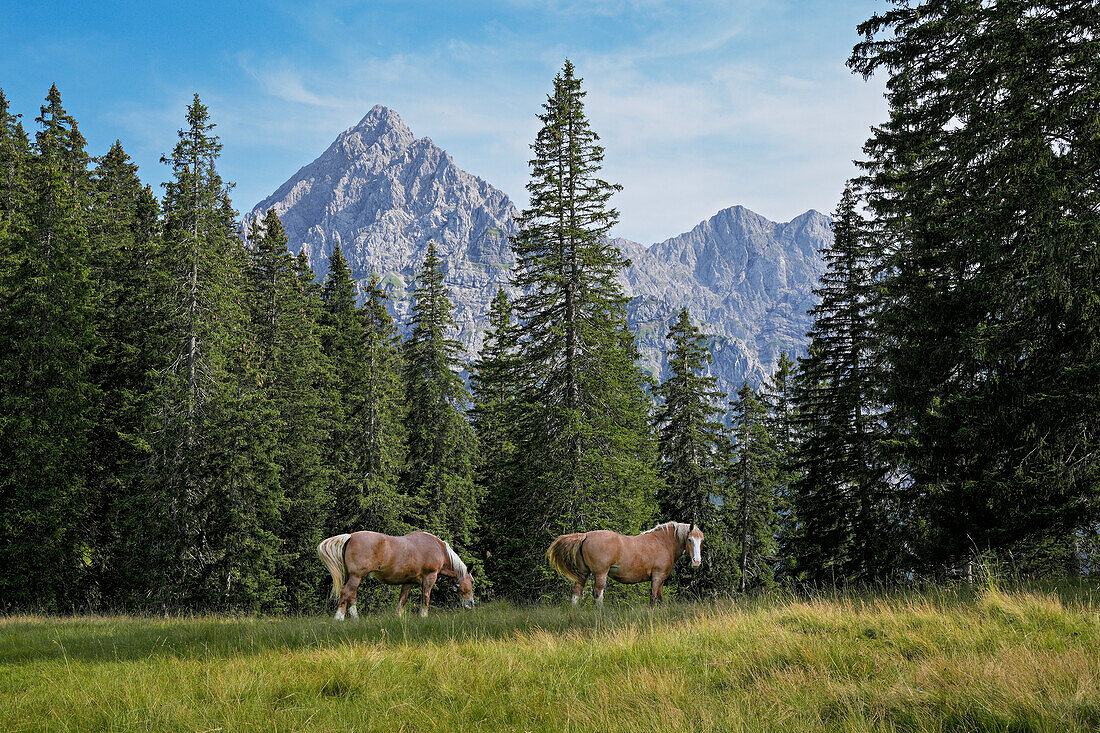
(426, 591)
(656, 588)
(598, 584)
(347, 595)
(404, 597)
(353, 612)
(578, 590)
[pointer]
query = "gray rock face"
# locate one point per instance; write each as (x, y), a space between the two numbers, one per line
(382, 193)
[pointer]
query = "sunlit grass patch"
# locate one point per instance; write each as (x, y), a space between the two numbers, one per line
(938, 661)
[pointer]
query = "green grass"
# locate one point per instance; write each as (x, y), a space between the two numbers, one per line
(933, 661)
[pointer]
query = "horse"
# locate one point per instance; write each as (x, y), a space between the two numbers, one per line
(414, 559)
(626, 558)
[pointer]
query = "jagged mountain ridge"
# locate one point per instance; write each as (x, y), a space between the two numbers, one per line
(382, 193)
(747, 282)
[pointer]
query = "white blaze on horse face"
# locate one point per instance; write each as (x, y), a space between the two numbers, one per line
(339, 614)
(696, 557)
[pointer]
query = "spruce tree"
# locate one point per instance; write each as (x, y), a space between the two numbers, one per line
(381, 417)
(778, 396)
(15, 155)
(589, 453)
(214, 500)
(442, 448)
(496, 408)
(131, 275)
(48, 343)
(284, 322)
(982, 190)
(689, 435)
(846, 528)
(365, 449)
(342, 339)
(749, 500)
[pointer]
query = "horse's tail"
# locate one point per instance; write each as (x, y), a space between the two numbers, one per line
(566, 557)
(331, 552)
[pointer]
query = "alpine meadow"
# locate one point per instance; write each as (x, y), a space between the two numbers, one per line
(838, 473)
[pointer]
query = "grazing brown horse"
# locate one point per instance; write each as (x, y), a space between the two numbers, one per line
(415, 559)
(628, 559)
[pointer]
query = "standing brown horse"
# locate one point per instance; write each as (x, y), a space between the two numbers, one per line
(415, 559)
(628, 559)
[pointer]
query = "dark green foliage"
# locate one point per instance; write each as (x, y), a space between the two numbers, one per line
(342, 341)
(213, 498)
(129, 269)
(589, 458)
(846, 525)
(285, 310)
(497, 406)
(689, 443)
(749, 494)
(48, 399)
(15, 156)
(983, 191)
(442, 447)
(780, 397)
(366, 445)
(381, 422)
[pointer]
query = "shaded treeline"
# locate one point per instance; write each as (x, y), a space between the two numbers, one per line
(185, 412)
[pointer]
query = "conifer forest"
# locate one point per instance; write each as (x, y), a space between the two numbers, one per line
(186, 410)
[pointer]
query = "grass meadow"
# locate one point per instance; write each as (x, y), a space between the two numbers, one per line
(940, 660)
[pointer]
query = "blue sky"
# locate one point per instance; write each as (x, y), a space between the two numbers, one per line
(700, 105)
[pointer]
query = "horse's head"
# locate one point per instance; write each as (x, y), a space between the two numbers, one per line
(465, 588)
(693, 545)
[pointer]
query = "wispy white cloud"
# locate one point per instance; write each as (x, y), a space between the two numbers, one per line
(287, 84)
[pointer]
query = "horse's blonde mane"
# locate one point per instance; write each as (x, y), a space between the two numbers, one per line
(681, 529)
(457, 565)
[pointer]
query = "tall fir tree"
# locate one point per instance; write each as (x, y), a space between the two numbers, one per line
(590, 454)
(442, 447)
(382, 417)
(130, 271)
(779, 397)
(15, 156)
(689, 437)
(48, 397)
(982, 189)
(285, 324)
(214, 500)
(366, 443)
(847, 520)
(496, 408)
(749, 499)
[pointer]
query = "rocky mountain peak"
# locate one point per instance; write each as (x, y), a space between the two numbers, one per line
(381, 123)
(379, 136)
(381, 193)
